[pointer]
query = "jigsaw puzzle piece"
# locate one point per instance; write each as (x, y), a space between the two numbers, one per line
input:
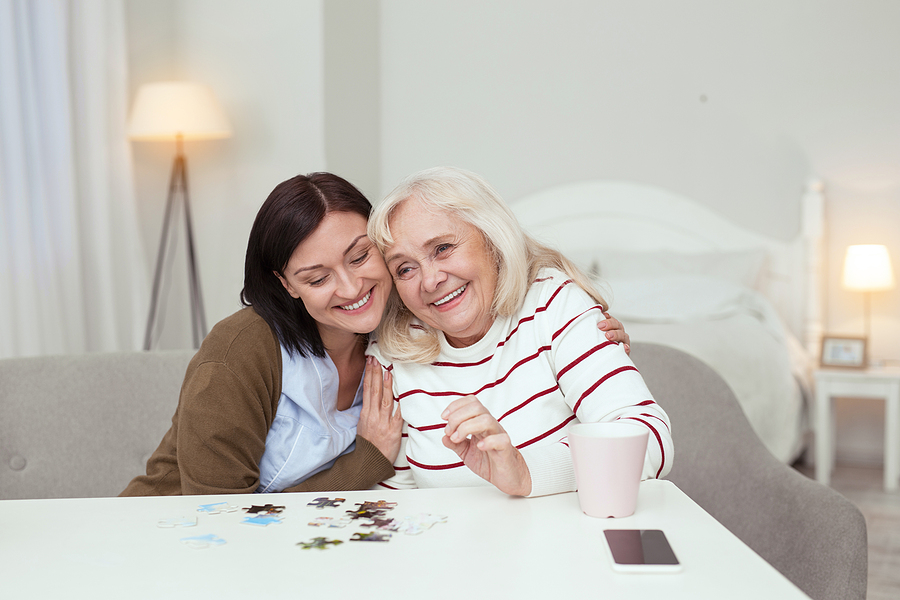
(177, 522)
(419, 523)
(217, 508)
(201, 542)
(320, 543)
(324, 502)
(372, 536)
(263, 520)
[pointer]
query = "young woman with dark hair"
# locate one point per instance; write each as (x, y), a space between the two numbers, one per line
(275, 399)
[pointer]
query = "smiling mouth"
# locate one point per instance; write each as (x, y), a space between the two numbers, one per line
(451, 295)
(357, 304)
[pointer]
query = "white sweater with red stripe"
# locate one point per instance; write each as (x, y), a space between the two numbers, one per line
(537, 372)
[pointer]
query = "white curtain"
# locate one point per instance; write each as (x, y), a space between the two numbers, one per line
(72, 275)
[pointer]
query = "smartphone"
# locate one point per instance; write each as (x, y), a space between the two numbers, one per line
(641, 551)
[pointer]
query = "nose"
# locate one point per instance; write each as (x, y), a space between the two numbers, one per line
(432, 277)
(349, 286)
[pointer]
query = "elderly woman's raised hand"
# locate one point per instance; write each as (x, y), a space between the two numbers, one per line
(484, 446)
(379, 422)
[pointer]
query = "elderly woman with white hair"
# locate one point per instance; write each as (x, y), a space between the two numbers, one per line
(493, 343)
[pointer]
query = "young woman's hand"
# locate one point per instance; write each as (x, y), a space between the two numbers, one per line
(380, 421)
(615, 332)
(484, 446)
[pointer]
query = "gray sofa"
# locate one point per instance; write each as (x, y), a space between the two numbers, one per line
(82, 426)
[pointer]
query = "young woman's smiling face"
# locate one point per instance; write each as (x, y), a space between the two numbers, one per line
(339, 275)
(443, 270)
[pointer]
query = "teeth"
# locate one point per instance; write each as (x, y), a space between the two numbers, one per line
(358, 304)
(451, 296)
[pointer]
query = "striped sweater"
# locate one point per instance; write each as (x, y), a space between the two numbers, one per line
(537, 372)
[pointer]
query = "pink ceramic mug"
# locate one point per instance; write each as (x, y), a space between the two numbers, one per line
(609, 460)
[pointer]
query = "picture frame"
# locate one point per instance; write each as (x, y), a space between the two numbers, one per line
(846, 352)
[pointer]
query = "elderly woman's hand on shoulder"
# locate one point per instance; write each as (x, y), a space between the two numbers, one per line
(615, 331)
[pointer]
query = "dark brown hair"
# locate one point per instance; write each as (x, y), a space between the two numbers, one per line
(293, 210)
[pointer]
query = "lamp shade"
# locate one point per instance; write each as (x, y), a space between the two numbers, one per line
(867, 268)
(168, 109)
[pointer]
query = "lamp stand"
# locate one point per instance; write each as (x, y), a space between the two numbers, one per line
(178, 183)
(866, 315)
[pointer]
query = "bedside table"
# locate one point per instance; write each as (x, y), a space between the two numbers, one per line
(874, 382)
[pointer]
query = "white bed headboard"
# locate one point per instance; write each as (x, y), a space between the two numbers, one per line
(624, 216)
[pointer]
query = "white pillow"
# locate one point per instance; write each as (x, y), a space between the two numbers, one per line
(739, 267)
(674, 298)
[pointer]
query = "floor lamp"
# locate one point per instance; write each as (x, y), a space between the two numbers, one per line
(177, 111)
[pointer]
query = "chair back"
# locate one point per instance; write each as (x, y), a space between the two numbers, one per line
(810, 533)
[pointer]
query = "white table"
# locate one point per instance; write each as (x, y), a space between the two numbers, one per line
(881, 383)
(492, 546)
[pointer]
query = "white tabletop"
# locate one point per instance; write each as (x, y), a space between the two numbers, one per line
(492, 546)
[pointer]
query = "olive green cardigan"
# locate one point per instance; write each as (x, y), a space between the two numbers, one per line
(227, 404)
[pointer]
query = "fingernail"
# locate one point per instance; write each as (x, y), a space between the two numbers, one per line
(609, 335)
(604, 324)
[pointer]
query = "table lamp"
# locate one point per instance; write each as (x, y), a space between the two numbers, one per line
(177, 111)
(867, 269)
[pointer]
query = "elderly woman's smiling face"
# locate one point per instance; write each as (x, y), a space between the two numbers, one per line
(443, 271)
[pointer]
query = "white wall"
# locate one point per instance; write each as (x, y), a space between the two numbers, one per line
(264, 60)
(353, 92)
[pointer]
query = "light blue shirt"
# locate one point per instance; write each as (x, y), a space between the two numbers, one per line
(308, 432)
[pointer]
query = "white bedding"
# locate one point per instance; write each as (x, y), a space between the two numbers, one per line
(682, 275)
(733, 329)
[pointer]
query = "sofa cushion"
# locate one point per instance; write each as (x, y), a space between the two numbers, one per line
(83, 425)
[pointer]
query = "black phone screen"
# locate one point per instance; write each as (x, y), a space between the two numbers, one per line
(640, 547)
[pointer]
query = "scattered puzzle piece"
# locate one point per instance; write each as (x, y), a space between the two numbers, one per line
(266, 509)
(217, 507)
(330, 522)
(177, 522)
(379, 504)
(372, 536)
(202, 541)
(323, 502)
(263, 520)
(320, 543)
(365, 514)
(419, 523)
(383, 524)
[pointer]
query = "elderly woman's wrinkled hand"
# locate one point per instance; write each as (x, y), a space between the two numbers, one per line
(379, 422)
(615, 332)
(484, 446)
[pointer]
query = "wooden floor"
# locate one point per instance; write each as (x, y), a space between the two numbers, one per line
(864, 487)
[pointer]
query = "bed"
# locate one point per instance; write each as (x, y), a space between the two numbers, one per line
(677, 273)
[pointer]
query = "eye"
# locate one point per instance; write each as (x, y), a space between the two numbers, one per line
(360, 260)
(318, 282)
(441, 248)
(403, 271)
